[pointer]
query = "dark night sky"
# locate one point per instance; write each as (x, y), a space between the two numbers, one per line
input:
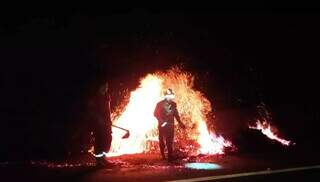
(48, 62)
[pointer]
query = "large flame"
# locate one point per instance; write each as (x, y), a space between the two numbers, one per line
(137, 116)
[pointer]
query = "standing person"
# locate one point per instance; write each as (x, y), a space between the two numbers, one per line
(165, 112)
(99, 109)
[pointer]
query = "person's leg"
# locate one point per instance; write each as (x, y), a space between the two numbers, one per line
(98, 149)
(161, 143)
(102, 144)
(169, 142)
(108, 138)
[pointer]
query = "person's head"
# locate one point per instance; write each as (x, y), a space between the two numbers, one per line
(169, 95)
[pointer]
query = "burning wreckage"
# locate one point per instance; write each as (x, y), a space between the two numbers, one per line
(199, 137)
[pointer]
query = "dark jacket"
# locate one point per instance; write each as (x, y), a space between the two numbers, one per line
(99, 107)
(166, 111)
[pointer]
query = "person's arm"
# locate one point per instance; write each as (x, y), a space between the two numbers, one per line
(177, 116)
(156, 112)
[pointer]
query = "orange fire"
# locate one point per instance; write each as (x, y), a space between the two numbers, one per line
(264, 126)
(137, 116)
(267, 130)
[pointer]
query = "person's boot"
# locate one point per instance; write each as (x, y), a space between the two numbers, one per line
(170, 158)
(101, 162)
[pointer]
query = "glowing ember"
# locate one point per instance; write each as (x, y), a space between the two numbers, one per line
(267, 130)
(137, 116)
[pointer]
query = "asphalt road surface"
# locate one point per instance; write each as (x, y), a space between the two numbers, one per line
(284, 166)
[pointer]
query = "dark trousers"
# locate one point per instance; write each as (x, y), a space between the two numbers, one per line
(102, 136)
(166, 135)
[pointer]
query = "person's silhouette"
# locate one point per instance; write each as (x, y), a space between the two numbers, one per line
(166, 111)
(99, 109)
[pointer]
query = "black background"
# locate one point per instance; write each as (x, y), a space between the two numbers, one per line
(240, 56)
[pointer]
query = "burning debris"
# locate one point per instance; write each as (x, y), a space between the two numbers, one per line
(265, 127)
(267, 130)
(137, 116)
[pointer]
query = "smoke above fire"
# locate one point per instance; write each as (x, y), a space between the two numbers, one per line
(136, 115)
